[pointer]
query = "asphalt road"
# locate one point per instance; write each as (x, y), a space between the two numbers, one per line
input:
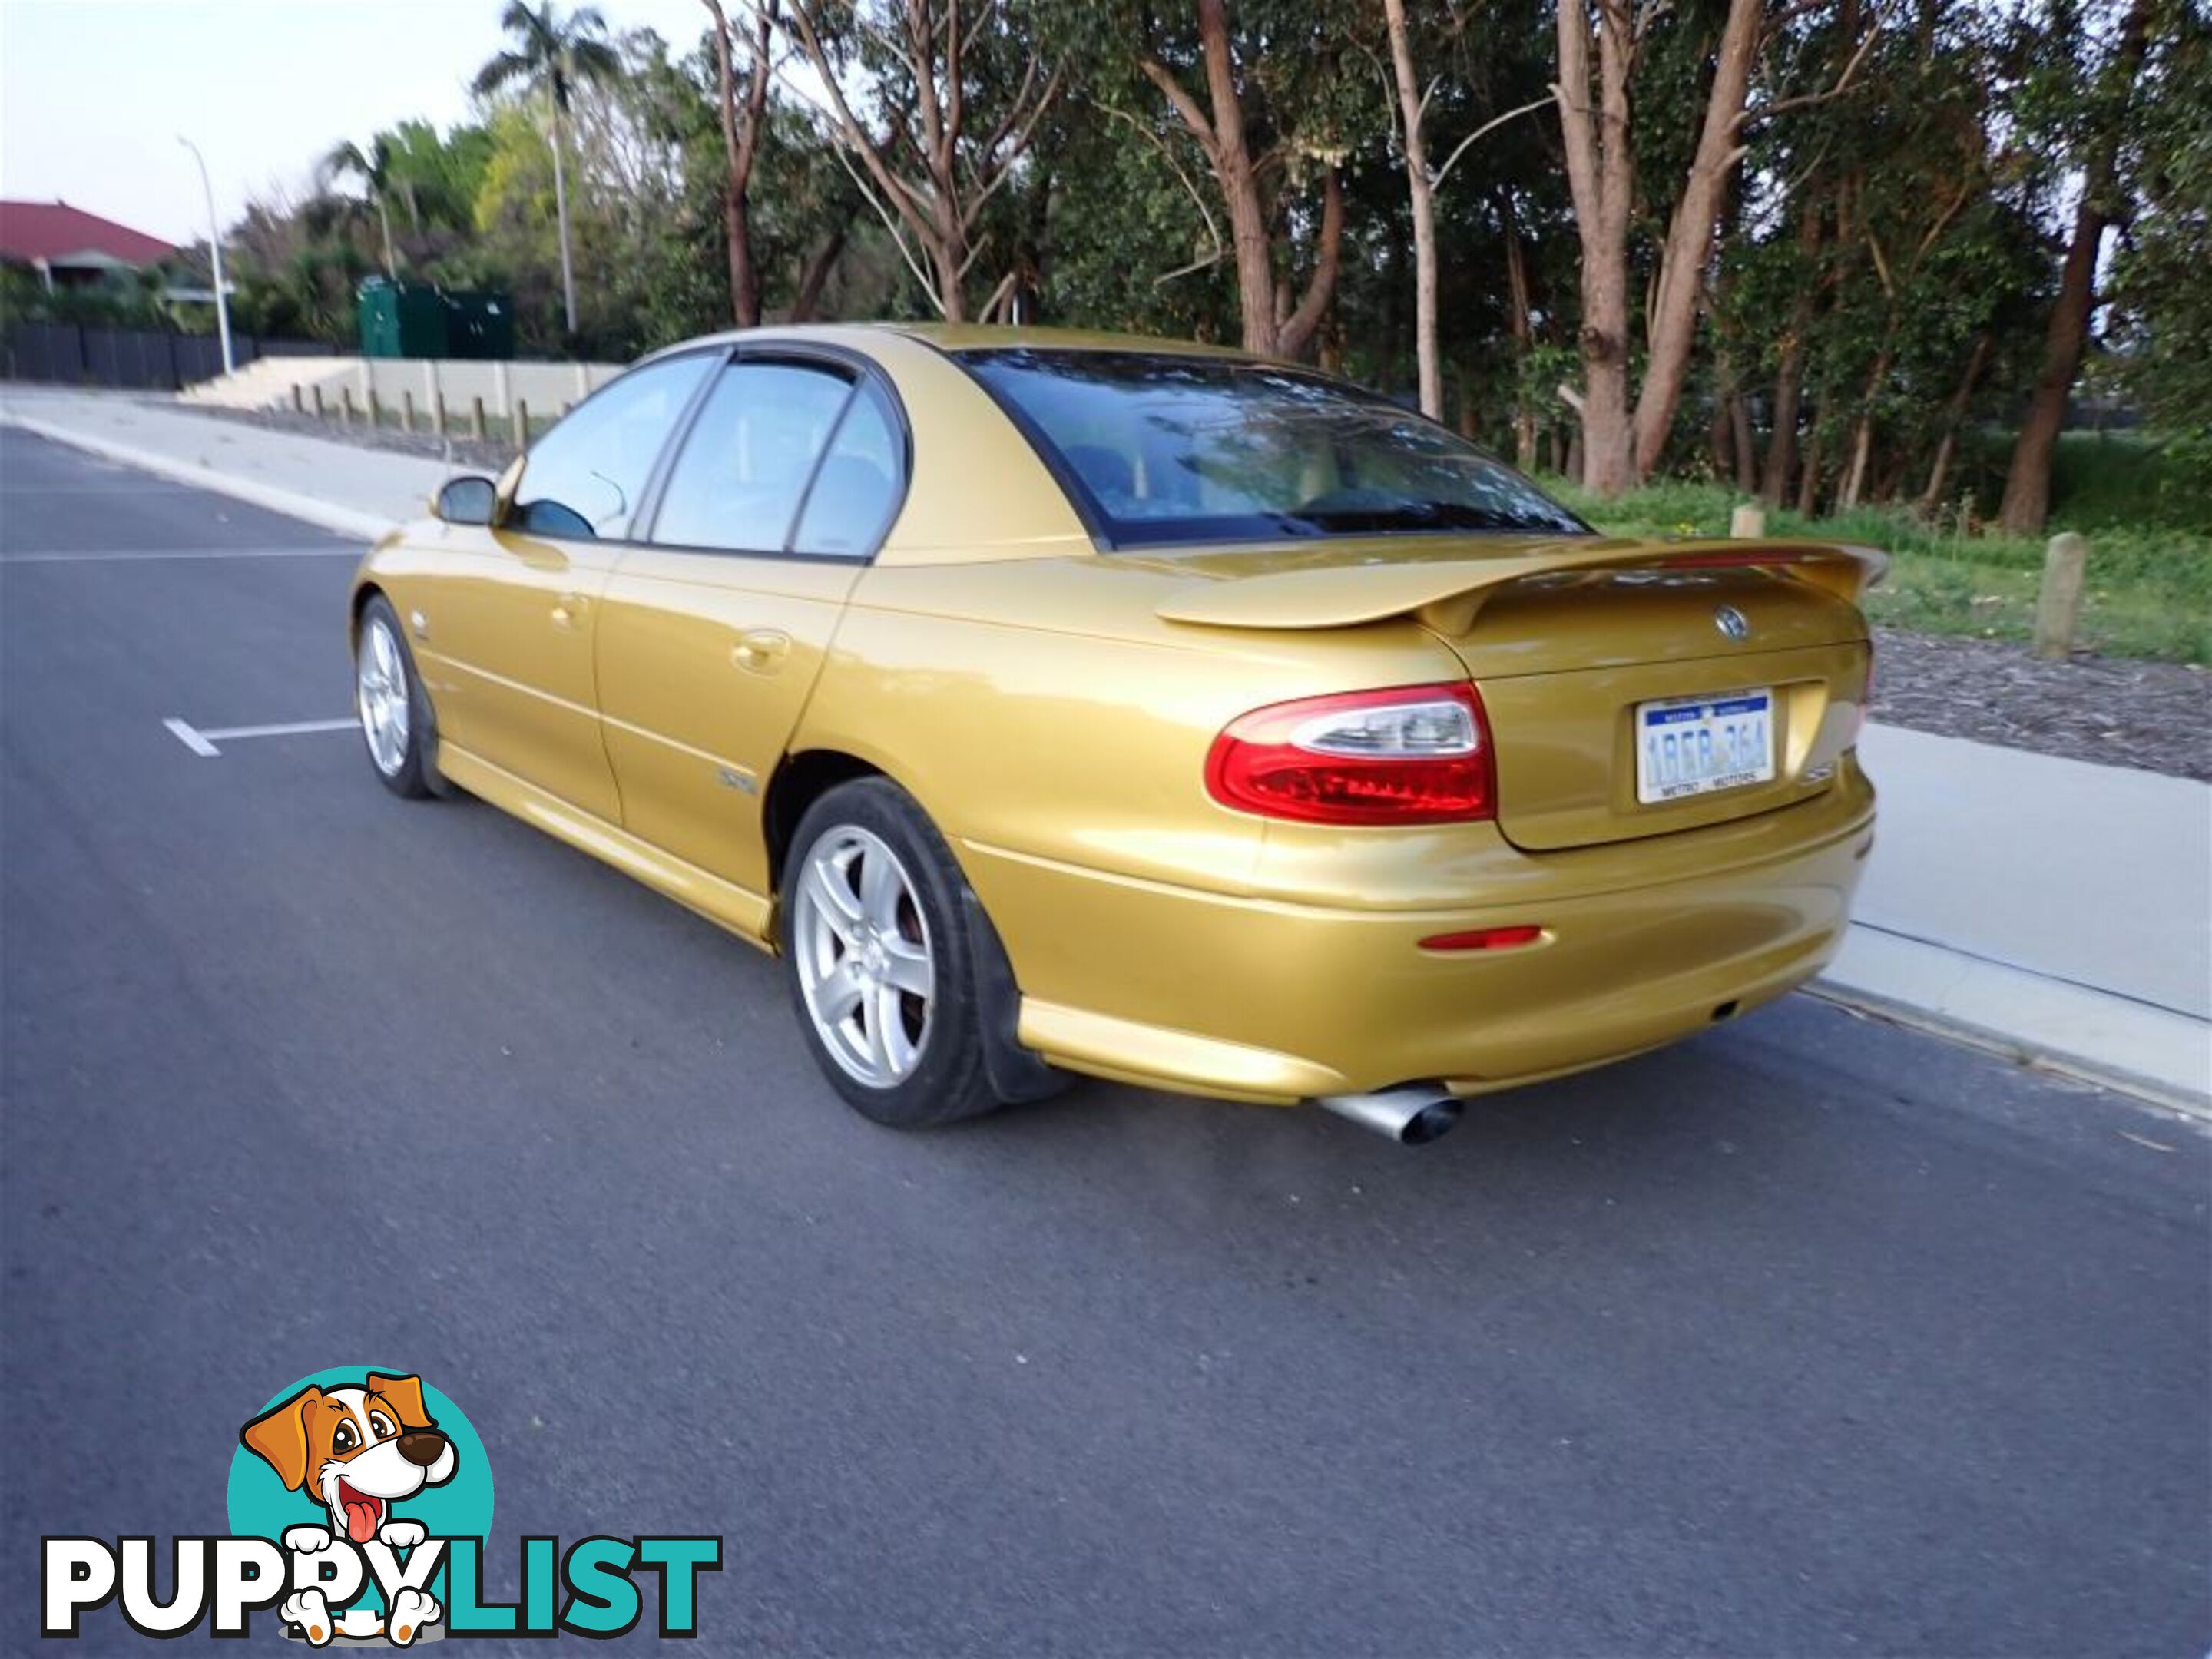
(1809, 1337)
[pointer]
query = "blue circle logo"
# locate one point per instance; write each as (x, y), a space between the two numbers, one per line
(366, 1455)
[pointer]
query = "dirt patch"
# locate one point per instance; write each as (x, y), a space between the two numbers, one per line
(2155, 716)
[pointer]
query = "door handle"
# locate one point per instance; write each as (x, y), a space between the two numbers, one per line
(761, 650)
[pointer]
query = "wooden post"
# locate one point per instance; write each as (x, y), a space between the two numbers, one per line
(406, 410)
(299, 399)
(2058, 608)
(375, 409)
(438, 413)
(475, 419)
(345, 405)
(315, 392)
(1747, 522)
(521, 423)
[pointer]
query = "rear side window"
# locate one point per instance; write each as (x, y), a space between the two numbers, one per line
(858, 487)
(1168, 447)
(584, 477)
(745, 466)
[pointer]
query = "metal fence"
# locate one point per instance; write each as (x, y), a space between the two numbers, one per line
(75, 354)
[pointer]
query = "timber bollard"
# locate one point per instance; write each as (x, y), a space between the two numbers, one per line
(299, 399)
(316, 392)
(375, 409)
(438, 413)
(346, 406)
(406, 410)
(475, 419)
(2058, 608)
(521, 424)
(1747, 522)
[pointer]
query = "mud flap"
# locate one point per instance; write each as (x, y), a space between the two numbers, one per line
(1017, 1075)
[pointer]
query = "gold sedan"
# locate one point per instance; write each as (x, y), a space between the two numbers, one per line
(1059, 702)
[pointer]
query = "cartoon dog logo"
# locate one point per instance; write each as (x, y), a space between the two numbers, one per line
(358, 1452)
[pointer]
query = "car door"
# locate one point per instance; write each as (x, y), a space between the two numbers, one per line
(711, 635)
(509, 629)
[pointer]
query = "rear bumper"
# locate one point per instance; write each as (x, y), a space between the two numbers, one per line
(1265, 1000)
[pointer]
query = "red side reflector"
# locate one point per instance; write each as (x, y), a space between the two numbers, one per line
(1483, 938)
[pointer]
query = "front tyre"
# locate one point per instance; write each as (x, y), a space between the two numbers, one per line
(881, 965)
(388, 699)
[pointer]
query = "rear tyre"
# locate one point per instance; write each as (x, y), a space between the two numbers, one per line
(390, 704)
(880, 961)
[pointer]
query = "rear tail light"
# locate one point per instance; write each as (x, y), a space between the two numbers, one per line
(1416, 754)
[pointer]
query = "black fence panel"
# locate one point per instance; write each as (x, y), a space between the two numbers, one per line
(143, 359)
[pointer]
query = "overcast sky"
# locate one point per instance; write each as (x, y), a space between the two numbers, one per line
(93, 93)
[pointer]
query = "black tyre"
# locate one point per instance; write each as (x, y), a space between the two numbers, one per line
(396, 723)
(881, 960)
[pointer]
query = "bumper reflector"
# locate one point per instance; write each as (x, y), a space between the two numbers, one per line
(1483, 938)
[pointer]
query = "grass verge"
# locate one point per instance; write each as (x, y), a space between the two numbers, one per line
(2149, 591)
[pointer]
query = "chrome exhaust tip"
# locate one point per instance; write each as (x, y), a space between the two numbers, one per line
(1410, 1114)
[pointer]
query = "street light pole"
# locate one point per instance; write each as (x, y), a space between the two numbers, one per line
(215, 247)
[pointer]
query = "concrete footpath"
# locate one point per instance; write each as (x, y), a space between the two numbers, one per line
(2051, 910)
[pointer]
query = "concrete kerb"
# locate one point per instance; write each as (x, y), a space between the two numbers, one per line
(345, 521)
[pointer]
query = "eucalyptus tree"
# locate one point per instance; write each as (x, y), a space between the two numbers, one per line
(2091, 102)
(550, 53)
(933, 103)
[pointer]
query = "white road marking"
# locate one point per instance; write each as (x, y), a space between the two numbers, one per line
(145, 554)
(191, 740)
(204, 743)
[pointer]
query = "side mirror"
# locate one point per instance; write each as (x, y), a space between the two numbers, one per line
(471, 500)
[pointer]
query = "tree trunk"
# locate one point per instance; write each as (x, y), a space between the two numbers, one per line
(740, 142)
(1600, 178)
(1298, 330)
(1808, 481)
(1855, 476)
(817, 276)
(561, 218)
(1931, 498)
(1522, 332)
(2027, 482)
(384, 219)
(1789, 368)
(1689, 248)
(1239, 185)
(1421, 196)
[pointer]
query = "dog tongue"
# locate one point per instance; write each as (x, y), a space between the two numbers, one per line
(360, 1520)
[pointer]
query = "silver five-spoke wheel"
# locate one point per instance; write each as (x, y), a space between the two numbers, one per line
(380, 696)
(862, 950)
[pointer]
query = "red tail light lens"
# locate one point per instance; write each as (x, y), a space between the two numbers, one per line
(1416, 754)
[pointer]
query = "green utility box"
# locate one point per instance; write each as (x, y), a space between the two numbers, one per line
(416, 319)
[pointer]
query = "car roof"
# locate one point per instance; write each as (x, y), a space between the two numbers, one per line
(963, 336)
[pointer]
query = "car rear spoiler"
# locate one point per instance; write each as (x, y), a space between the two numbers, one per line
(1445, 594)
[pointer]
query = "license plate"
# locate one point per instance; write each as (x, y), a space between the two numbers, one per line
(1699, 745)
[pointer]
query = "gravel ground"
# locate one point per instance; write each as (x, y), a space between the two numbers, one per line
(2155, 716)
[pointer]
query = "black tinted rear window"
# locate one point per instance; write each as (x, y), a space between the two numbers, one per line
(1164, 448)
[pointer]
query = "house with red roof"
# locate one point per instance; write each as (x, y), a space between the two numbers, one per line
(66, 247)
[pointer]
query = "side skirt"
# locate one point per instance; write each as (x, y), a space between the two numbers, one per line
(747, 915)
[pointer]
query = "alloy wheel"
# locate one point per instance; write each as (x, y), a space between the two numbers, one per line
(862, 952)
(381, 696)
